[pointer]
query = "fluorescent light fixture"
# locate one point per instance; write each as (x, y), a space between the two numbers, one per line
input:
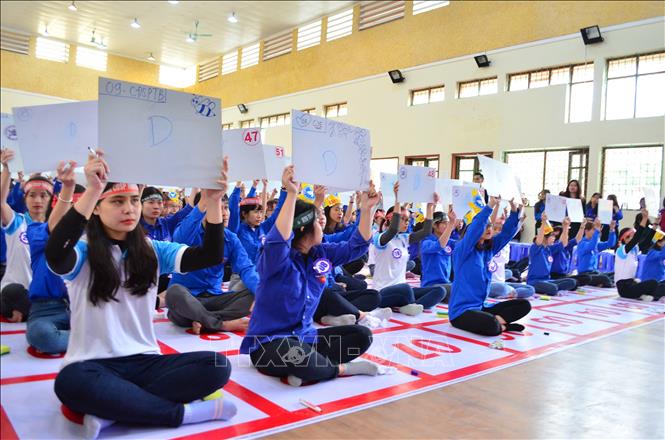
(151, 57)
(232, 18)
(174, 2)
(189, 38)
(135, 24)
(45, 32)
(72, 7)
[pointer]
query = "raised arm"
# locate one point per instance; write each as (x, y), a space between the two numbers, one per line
(476, 228)
(393, 229)
(252, 190)
(611, 239)
(452, 224)
(5, 180)
(234, 208)
(368, 200)
(540, 237)
(65, 198)
(509, 228)
(319, 196)
(284, 222)
(349, 211)
(565, 231)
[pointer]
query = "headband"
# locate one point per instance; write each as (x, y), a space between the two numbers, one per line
(379, 214)
(152, 197)
(304, 219)
(250, 201)
(626, 232)
(121, 188)
(38, 184)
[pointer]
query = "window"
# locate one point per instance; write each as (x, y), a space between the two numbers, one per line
(580, 100)
(340, 25)
(627, 179)
(425, 96)
(91, 58)
(247, 123)
(465, 165)
(230, 62)
(311, 111)
(309, 35)
(177, 76)
(548, 169)
(539, 78)
(636, 87)
(52, 50)
(389, 165)
(276, 120)
(250, 56)
(277, 46)
(209, 69)
(374, 13)
(334, 110)
(228, 126)
(478, 87)
(424, 161)
(16, 42)
(427, 5)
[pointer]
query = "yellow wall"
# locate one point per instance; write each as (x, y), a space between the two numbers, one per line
(462, 28)
(68, 80)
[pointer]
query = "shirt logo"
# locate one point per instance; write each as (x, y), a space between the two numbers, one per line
(550, 259)
(23, 237)
(492, 266)
(448, 250)
(397, 254)
(322, 266)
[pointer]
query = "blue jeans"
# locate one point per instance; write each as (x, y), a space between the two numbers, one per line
(507, 290)
(143, 389)
(48, 326)
(402, 294)
(551, 287)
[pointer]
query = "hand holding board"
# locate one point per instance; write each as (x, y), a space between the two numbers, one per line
(555, 207)
(330, 153)
(152, 134)
(50, 133)
(416, 184)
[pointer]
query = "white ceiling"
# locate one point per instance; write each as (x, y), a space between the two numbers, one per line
(164, 26)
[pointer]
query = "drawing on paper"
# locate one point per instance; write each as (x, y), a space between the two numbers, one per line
(329, 162)
(204, 106)
(24, 114)
(160, 128)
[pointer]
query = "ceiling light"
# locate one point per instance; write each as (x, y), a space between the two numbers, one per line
(482, 60)
(135, 24)
(591, 35)
(45, 32)
(232, 18)
(174, 2)
(72, 7)
(242, 108)
(396, 76)
(151, 57)
(189, 38)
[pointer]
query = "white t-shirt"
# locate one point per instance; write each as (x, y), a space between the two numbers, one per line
(497, 265)
(625, 264)
(390, 261)
(18, 251)
(115, 328)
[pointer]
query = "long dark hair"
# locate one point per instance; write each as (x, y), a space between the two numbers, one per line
(566, 193)
(614, 200)
(330, 229)
(140, 262)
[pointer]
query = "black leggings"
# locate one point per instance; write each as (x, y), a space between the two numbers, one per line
(600, 279)
(355, 266)
(484, 322)
(632, 289)
(312, 362)
(336, 302)
(582, 280)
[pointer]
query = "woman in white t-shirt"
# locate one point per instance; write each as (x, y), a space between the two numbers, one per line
(18, 275)
(391, 256)
(113, 369)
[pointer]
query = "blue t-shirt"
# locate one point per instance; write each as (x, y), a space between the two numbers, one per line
(654, 265)
(436, 261)
(164, 227)
(45, 284)
(588, 249)
(540, 263)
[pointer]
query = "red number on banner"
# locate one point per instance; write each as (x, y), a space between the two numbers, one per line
(558, 320)
(251, 137)
(431, 173)
(279, 151)
(599, 312)
(629, 306)
(427, 344)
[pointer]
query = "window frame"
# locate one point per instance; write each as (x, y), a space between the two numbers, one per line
(584, 150)
(251, 122)
(478, 81)
(636, 76)
(276, 116)
(338, 105)
(454, 171)
(429, 94)
(227, 126)
(408, 160)
(617, 147)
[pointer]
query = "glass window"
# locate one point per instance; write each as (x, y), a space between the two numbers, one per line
(628, 179)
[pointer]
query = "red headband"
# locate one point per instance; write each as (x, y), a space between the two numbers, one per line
(389, 216)
(38, 184)
(120, 188)
(250, 201)
(379, 214)
(626, 233)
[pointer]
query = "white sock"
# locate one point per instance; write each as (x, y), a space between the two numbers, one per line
(294, 381)
(370, 321)
(646, 298)
(382, 313)
(93, 425)
(217, 409)
(339, 320)
(411, 309)
(360, 367)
